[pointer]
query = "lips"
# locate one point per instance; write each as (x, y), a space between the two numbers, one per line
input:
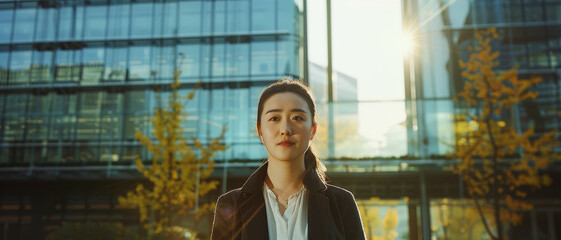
(286, 143)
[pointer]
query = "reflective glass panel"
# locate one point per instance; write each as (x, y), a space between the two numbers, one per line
(385, 219)
(288, 17)
(88, 125)
(164, 61)
(46, 24)
(111, 117)
(119, 19)
(96, 21)
(219, 16)
(166, 18)
(41, 69)
(262, 16)
(93, 63)
(24, 25)
(142, 19)
(190, 17)
(67, 65)
(287, 56)
(20, 63)
(37, 122)
(218, 59)
(238, 16)
(139, 62)
(4, 56)
(14, 116)
(263, 57)
(190, 66)
(237, 59)
(6, 17)
(115, 63)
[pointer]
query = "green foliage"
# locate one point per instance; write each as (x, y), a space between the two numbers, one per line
(179, 170)
(93, 231)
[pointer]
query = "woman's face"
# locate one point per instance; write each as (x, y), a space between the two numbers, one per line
(286, 127)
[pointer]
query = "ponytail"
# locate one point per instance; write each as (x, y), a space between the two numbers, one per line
(314, 163)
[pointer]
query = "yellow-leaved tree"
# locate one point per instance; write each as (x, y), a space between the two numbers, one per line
(498, 164)
(180, 168)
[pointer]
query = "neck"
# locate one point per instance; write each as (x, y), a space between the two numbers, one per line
(286, 177)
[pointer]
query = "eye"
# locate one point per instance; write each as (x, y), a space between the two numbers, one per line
(273, 119)
(298, 118)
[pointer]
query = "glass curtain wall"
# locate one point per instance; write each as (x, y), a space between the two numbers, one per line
(76, 77)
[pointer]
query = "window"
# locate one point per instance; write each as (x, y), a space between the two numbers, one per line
(166, 19)
(190, 17)
(119, 19)
(218, 59)
(164, 61)
(96, 21)
(142, 20)
(191, 59)
(238, 16)
(263, 56)
(219, 16)
(46, 23)
(263, 15)
(67, 65)
(139, 62)
(115, 63)
(237, 59)
(93, 63)
(6, 16)
(24, 25)
(41, 69)
(4, 57)
(20, 63)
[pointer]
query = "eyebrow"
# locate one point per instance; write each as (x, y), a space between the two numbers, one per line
(293, 110)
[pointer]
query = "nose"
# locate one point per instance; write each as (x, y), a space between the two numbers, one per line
(286, 130)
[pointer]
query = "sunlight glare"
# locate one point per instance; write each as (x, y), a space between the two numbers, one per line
(406, 43)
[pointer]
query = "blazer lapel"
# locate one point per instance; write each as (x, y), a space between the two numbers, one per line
(254, 217)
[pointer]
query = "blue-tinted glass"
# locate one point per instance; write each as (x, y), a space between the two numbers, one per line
(237, 108)
(142, 20)
(67, 66)
(166, 19)
(137, 113)
(553, 12)
(119, 19)
(24, 25)
(534, 12)
(237, 59)
(204, 112)
(111, 122)
(238, 16)
(218, 59)
(288, 17)
(6, 16)
(93, 64)
(191, 60)
(190, 17)
(42, 69)
(263, 57)
(63, 121)
(205, 67)
(4, 56)
(20, 64)
(207, 17)
(46, 24)
(263, 15)
(139, 63)
(219, 16)
(14, 118)
(88, 121)
(115, 63)
(37, 123)
(96, 21)
(70, 22)
(164, 62)
(287, 57)
(217, 112)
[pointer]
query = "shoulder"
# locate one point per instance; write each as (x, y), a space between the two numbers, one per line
(333, 190)
(231, 196)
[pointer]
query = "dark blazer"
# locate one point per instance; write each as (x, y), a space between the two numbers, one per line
(332, 211)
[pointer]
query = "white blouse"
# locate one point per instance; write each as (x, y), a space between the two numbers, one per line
(294, 223)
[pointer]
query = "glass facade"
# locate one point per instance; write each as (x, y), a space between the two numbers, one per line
(77, 76)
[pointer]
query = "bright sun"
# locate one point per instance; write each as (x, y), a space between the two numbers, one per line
(406, 43)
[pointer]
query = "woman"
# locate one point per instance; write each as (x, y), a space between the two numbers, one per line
(287, 197)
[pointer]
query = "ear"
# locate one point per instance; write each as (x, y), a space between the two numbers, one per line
(258, 131)
(314, 128)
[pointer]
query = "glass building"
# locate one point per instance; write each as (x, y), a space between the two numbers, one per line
(78, 79)
(530, 37)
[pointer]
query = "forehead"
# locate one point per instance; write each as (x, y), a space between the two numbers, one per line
(285, 100)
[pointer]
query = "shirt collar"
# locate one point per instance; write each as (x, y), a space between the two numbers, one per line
(255, 182)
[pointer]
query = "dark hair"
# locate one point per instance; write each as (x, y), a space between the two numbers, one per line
(297, 87)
